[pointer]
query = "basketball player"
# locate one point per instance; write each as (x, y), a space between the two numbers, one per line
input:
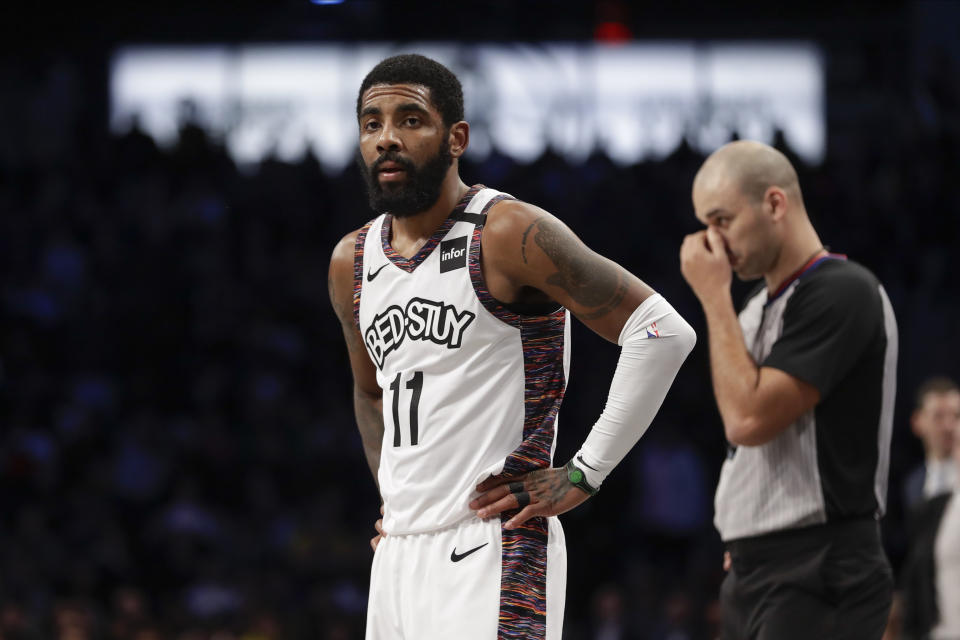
(805, 386)
(454, 303)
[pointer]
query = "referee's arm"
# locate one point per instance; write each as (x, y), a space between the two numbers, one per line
(756, 403)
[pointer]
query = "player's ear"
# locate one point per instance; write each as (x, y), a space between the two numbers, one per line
(459, 138)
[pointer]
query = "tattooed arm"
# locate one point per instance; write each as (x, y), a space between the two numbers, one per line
(528, 255)
(367, 394)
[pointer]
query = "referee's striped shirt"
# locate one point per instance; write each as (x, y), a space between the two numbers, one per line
(832, 326)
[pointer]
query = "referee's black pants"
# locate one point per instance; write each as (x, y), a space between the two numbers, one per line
(826, 582)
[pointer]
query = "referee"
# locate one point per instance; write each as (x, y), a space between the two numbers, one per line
(804, 381)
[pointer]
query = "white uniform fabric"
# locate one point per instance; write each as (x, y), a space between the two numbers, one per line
(470, 389)
(941, 477)
(446, 584)
(946, 554)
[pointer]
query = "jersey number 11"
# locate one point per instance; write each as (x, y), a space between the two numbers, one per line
(415, 383)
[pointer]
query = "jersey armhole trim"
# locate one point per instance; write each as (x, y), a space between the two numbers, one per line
(358, 248)
(491, 304)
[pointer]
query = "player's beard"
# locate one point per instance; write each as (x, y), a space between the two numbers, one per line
(417, 193)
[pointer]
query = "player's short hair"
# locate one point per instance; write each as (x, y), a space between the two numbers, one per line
(446, 94)
(938, 384)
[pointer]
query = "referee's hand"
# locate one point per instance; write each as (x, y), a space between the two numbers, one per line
(544, 492)
(706, 263)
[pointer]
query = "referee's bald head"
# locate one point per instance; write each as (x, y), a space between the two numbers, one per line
(751, 168)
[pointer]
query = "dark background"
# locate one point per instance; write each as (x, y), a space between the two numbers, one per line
(177, 452)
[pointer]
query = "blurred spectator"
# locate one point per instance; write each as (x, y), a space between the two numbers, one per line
(609, 622)
(15, 624)
(935, 420)
(129, 615)
(931, 573)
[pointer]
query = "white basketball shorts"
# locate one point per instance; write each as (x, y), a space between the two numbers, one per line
(472, 581)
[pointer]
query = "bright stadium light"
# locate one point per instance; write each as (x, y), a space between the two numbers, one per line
(633, 102)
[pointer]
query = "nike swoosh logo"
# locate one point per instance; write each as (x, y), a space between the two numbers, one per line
(580, 458)
(457, 557)
(373, 274)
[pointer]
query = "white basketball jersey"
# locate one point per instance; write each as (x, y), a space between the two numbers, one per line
(470, 388)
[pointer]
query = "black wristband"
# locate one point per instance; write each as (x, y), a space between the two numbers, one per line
(578, 479)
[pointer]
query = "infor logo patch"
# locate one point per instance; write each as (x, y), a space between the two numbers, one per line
(453, 254)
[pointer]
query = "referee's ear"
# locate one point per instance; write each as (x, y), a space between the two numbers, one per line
(776, 199)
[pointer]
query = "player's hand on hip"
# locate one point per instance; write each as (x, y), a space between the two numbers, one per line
(704, 263)
(378, 525)
(545, 492)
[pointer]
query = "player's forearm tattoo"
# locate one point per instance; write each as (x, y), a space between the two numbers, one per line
(599, 286)
(548, 486)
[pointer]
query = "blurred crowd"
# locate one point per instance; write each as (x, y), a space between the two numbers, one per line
(178, 458)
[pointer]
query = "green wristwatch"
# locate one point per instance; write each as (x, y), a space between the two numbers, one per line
(577, 478)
